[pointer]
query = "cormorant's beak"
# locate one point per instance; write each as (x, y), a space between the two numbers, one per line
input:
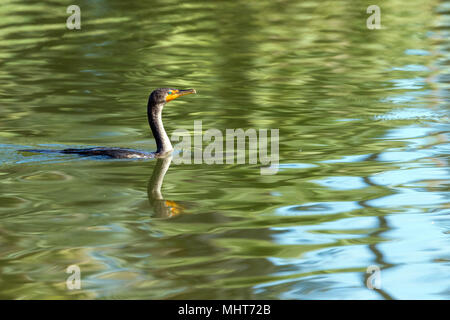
(178, 93)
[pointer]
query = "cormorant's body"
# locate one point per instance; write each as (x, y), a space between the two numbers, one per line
(158, 98)
(117, 153)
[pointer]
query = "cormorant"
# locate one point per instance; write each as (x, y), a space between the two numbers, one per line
(156, 101)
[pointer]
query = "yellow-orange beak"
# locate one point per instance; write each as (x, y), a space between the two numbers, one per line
(178, 93)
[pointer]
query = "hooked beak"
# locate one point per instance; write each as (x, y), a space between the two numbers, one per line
(178, 93)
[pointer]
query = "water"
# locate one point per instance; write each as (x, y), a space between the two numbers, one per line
(363, 174)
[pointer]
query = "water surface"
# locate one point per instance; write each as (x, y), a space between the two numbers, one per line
(363, 174)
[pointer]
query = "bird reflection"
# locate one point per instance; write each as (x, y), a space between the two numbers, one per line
(163, 208)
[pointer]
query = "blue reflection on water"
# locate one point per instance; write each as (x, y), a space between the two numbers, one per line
(318, 208)
(342, 183)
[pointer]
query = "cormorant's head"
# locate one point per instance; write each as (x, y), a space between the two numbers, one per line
(164, 95)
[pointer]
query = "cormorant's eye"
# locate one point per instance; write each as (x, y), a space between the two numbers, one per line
(170, 92)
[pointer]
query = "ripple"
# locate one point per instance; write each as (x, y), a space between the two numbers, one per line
(409, 84)
(12, 202)
(342, 183)
(417, 52)
(318, 208)
(407, 132)
(349, 159)
(412, 67)
(409, 176)
(403, 156)
(296, 165)
(410, 114)
(410, 198)
(45, 176)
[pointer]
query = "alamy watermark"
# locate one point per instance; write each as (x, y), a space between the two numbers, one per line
(234, 146)
(73, 282)
(374, 280)
(374, 21)
(74, 20)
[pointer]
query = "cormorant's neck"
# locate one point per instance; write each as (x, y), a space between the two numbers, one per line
(154, 112)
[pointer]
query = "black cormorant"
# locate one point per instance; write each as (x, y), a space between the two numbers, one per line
(156, 101)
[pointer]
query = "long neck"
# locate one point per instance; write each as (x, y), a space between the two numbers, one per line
(154, 120)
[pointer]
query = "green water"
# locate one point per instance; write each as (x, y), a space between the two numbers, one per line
(363, 173)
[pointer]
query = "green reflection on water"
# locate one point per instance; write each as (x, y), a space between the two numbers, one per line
(361, 180)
